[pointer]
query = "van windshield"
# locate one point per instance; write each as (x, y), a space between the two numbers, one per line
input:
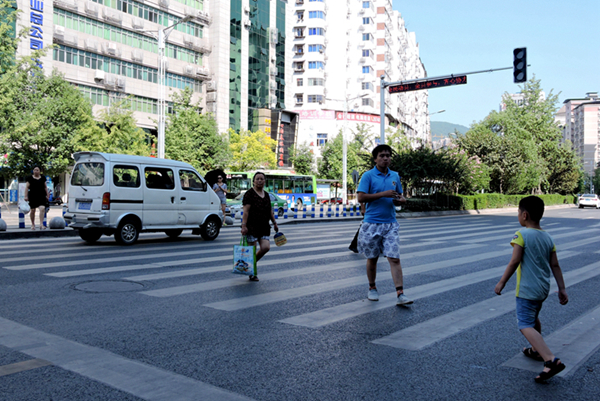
(88, 174)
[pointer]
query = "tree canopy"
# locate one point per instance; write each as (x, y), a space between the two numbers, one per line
(302, 158)
(251, 150)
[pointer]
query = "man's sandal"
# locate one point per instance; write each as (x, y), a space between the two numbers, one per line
(530, 353)
(555, 366)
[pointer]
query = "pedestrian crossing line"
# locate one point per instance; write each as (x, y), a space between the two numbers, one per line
(460, 228)
(437, 329)
(337, 313)
(507, 238)
(170, 247)
(192, 272)
(152, 255)
(185, 273)
(573, 344)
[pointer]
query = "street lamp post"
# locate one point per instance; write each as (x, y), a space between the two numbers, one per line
(161, 35)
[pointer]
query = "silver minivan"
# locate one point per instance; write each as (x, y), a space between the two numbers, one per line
(123, 195)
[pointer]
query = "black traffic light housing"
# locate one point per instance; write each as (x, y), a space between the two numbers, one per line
(520, 65)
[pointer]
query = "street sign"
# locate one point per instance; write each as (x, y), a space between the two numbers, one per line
(429, 84)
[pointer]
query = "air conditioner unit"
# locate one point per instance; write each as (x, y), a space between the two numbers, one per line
(211, 86)
(137, 55)
(112, 48)
(137, 23)
(211, 107)
(164, 3)
(99, 76)
(91, 8)
(321, 50)
(247, 23)
(59, 31)
(120, 82)
(202, 71)
(189, 69)
(247, 9)
(211, 97)
(273, 58)
(90, 44)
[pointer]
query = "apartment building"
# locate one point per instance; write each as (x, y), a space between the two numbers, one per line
(340, 49)
(580, 119)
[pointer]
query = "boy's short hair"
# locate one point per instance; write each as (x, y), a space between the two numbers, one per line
(381, 148)
(534, 206)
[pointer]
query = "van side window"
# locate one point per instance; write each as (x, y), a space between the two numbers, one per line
(126, 176)
(190, 181)
(159, 178)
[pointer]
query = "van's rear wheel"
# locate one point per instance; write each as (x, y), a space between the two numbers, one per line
(127, 233)
(210, 230)
(174, 233)
(90, 235)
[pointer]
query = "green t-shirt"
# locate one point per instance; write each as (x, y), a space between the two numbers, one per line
(533, 274)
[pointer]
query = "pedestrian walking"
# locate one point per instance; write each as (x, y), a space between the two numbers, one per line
(380, 189)
(220, 189)
(37, 194)
(533, 258)
(257, 213)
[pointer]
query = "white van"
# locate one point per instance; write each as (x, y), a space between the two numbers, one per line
(123, 195)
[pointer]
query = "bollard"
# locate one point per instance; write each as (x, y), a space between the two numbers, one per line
(321, 211)
(241, 217)
(337, 210)
(304, 211)
(285, 212)
(276, 211)
(63, 214)
(21, 219)
(329, 210)
(312, 210)
(45, 214)
(344, 214)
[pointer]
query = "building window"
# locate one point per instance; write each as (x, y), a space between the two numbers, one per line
(299, 49)
(316, 14)
(367, 102)
(366, 69)
(315, 48)
(366, 21)
(366, 53)
(299, 66)
(313, 65)
(316, 82)
(366, 36)
(367, 86)
(321, 139)
(316, 31)
(299, 32)
(300, 15)
(299, 99)
(311, 1)
(299, 82)
(366, 4)
(315, 98)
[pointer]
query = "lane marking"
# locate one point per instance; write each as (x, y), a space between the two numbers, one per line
(136, 378)
(573, 344)
(437, 329)
(23, 366)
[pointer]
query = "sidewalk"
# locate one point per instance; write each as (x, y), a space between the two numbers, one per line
(11, 218)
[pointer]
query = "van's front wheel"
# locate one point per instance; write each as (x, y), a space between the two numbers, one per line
(127, 233)
(210, 230)
(90, 235)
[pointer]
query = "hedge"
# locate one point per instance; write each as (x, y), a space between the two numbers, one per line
(480, 201)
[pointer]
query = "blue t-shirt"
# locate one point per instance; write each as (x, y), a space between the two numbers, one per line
(533, 274)
(373, 181)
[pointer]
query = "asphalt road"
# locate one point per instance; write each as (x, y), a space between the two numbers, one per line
(166, 320)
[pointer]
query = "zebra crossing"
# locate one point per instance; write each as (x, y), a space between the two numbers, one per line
(444, 254)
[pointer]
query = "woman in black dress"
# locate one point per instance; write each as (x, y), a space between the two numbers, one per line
(257, 213)
(37, 195)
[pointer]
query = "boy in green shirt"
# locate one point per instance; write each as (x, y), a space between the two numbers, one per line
(533, 258)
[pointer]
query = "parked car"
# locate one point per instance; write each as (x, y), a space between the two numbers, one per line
(235, 206)
(591, 200)
(333, 201)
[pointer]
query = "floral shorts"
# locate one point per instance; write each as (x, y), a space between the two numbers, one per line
(250, 238)
(376, 239)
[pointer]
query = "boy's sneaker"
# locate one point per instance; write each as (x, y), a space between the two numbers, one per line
(403, 300)
(373, 295)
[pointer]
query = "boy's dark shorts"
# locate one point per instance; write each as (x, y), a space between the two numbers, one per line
(527, 312)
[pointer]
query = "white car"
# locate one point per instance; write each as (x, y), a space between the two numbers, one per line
(591, 200)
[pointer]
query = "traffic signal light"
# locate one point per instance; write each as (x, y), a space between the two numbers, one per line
(520, 65)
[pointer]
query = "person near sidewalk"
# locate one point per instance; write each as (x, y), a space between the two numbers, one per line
(220, 189)
(381, 190)
(257, 213)
(37, 194)
(533, 258)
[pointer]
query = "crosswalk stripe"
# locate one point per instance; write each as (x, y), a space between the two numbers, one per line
(434, 330)
(507, 238)
(573, 344)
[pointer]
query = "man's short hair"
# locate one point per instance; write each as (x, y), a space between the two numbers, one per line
(534, 206)
(381, 148)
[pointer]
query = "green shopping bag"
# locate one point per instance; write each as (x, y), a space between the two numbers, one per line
(244, 258)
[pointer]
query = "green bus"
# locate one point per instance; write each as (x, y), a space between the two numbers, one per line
(296, 189)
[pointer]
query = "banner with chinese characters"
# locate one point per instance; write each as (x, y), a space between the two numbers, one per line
(365, 118)
(36, 30)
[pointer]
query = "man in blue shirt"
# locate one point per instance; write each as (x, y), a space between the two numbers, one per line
(381, 190)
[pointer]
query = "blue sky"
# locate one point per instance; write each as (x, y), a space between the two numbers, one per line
(562, 40)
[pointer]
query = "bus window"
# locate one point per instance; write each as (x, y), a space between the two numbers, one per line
(308, 187)
(298, 187)
(288, 186)
(269, 185)
(277, 186)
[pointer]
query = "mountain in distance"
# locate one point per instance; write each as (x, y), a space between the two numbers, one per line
(441, 129)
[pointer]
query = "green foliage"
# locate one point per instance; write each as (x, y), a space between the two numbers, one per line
(521, 146)
(302, 158)
(596, 181)
(441, 201)
(39, 115)
(251, 150)
(193, 137)
(9, 40)
(118, 133)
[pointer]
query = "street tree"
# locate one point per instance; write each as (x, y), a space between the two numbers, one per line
(9, 37)
(193, 137)
(39, 117)
(303, 159)
(117, 132)
(251, 150)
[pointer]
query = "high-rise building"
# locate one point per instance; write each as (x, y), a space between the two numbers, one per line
(340, 49)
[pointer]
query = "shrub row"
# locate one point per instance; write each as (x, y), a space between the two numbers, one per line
(480, 201)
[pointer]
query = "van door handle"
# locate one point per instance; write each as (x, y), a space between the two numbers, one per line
(172, 199)
(183, 198)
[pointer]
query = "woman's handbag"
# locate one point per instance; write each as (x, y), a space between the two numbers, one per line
(244, 258)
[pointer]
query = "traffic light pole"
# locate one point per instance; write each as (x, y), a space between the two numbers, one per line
(385, 84)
